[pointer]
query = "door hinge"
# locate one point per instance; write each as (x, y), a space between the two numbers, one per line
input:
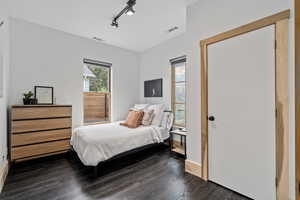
(276, 182)
(275, 44)
(276, 113)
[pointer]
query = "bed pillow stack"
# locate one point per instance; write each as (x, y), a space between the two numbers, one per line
(148, 113)
(145, 114)
(153, 114)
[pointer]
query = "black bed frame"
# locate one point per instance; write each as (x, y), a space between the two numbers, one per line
(125, 154)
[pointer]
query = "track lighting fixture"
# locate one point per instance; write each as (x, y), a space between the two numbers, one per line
(115, 23)
(128, 10)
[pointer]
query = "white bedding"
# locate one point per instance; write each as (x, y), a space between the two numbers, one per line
(97, 143)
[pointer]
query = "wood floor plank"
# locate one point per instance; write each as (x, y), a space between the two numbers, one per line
(152, 174)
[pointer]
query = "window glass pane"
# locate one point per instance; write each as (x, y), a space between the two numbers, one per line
(96, 78)
(96, 93)
(180, 114)
(179, 72)
(180, 92)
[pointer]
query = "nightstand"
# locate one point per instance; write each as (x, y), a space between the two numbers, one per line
(179, 148)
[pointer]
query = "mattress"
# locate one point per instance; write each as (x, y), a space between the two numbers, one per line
(97, 143)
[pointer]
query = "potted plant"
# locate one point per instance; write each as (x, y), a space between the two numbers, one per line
(27, 98)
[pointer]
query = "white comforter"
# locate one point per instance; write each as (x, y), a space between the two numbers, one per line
(97, 143)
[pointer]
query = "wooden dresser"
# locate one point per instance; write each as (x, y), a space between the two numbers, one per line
(39, 130)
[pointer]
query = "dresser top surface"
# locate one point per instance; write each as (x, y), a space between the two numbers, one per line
(39, 105)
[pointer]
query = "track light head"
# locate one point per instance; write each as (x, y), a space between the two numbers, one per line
(115, 23)
(130, 11)
(131, 3)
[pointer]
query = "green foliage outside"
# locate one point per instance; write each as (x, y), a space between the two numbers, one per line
(100, 83)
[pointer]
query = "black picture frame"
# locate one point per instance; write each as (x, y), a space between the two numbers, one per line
(36, 96)
(153, 88)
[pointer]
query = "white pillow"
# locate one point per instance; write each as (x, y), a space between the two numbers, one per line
(141, 106)
(167, 121)
(148, 117)
(158, 113)
(164, 120)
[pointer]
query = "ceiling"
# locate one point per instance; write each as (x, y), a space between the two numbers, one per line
(92, 18)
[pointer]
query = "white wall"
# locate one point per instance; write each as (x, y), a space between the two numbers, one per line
(4, 53)
(44, 56)
(155, 64)
(207, 18)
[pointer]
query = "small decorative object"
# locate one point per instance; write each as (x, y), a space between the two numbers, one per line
(27, 98)
(153, 88)
(43, 94)
(182, 129)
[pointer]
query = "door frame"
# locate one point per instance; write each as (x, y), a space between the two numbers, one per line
(297, 99)
(280, 20)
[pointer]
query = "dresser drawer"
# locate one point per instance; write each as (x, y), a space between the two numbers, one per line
(39, 149)
(41, 124)
(40, 112)
(38, 137)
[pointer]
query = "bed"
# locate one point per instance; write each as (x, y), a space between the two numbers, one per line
(95, 144)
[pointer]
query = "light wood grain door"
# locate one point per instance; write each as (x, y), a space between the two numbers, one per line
(241, 98)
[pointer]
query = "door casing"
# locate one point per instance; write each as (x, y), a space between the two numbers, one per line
(280, 20)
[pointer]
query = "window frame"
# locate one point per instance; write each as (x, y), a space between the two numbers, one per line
(104, 65)
(101, 64)
(173, 62)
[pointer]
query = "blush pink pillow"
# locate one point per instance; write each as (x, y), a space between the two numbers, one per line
(134, 119)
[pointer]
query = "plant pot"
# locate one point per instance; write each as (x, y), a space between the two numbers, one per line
(30, 101)
(34, 101)
(26, 101)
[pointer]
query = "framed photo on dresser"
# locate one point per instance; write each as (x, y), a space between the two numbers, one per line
(43, 94)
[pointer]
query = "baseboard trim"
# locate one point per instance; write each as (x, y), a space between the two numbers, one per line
(193, 168)
(3, 174)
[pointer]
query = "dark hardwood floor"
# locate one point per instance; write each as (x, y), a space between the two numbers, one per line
(151, 174)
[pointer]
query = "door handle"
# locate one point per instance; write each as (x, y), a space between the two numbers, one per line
(211, 118)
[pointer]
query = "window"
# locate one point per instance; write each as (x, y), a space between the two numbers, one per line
(96, 91)
(179, 90)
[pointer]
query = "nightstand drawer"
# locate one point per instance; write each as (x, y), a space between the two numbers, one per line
(38, 137)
